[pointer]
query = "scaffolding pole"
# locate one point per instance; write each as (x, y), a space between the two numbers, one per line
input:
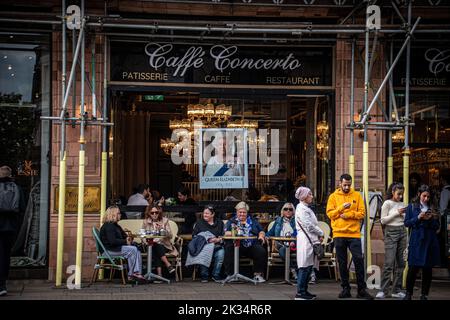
(81, 166)
(62, 162)
(351, 158)
(406, 150)
(390, 160)
(367, 251)
(105, 133)
(386, 78)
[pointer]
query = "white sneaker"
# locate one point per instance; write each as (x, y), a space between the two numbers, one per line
(380, 295)
(399, 295)
(259, 279)
(294, 274)
(313, 279)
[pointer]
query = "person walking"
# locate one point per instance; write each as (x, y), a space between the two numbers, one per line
(12, 204)
(423, 249)
(345, 208)
(392, 218)
(308, 233)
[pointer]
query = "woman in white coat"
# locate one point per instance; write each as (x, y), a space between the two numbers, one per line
(305, 221)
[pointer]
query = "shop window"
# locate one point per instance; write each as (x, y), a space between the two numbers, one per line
(24, 98)
(430, 139)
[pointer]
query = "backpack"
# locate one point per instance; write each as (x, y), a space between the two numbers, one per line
(9, 197)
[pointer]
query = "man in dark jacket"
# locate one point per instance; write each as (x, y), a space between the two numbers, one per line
(12, 204)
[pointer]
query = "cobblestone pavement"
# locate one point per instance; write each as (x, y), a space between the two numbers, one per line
(187, 290)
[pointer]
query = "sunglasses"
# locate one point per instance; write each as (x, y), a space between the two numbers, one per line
(288, 209)
(154, 212)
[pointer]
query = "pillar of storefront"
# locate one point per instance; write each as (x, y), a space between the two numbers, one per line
(377, 162)
(92, 163)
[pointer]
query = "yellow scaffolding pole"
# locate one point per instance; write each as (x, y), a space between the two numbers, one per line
(406, 154)
(390, 170)
(104, 181)
(79, 254)
(368, 248)
(61, 212)
(351, 168)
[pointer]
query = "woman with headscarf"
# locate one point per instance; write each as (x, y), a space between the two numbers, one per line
(308, 233)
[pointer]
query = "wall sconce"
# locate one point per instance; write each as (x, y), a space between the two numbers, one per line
(322, 145)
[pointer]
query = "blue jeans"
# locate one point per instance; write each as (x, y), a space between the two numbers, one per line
(217, 262)
(303, 279)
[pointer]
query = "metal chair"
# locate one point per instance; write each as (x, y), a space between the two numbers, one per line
(273, 256)
(106, 260)
(329, 260)
(178, 243)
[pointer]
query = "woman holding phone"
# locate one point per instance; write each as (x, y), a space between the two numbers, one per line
(423, 250)
(392, 218)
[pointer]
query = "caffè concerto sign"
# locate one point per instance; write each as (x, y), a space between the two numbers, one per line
(221, 64)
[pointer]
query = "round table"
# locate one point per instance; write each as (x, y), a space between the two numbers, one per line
(287, 260)
(236, 275)
(150, 241)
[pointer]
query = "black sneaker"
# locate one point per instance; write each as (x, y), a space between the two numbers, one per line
(408, 296)
(345, 293)
(304, 297)
(363, 294)
(311, 294)
(3, 292)
(423, 297)
(204, 280)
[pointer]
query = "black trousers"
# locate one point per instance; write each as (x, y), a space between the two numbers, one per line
(354, 245)
(256, 252)
(6, 243)
(159, 251)
(411, 279)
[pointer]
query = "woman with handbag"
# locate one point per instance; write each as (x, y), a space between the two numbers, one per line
(309, 237)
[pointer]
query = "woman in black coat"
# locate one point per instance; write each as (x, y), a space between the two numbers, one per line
(423, 250)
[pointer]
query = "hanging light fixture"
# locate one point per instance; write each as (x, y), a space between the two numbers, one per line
(322, 146)
(247, 124)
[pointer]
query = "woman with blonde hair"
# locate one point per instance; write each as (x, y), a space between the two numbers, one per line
(155, 222)
(284, 226)
(117, 242)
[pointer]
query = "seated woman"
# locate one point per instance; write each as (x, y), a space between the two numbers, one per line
(251, 248)
(210, 222)
(284, 226)
(154, 221)
(117, 242)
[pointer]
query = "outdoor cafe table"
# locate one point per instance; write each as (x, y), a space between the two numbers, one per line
(287, 260)
(150, 241)
(236, 275)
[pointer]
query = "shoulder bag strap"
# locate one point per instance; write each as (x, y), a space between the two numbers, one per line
(298, 223)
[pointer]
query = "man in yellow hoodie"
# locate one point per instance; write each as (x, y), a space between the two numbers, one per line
(345, 208)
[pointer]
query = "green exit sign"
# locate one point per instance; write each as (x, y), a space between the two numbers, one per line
(148, 97)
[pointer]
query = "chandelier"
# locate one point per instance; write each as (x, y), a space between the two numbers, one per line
(248, 124)
(210, 116)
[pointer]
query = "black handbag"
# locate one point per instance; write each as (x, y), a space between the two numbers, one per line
(318, 249)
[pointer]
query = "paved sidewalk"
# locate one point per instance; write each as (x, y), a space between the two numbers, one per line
(188, 290)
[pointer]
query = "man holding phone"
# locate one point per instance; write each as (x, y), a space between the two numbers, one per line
(345, 208)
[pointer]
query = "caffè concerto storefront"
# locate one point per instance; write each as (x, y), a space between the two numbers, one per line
(159, 87)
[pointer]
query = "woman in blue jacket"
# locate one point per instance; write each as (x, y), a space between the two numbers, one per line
(284, 226)
(423, 250)
(245, 225)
